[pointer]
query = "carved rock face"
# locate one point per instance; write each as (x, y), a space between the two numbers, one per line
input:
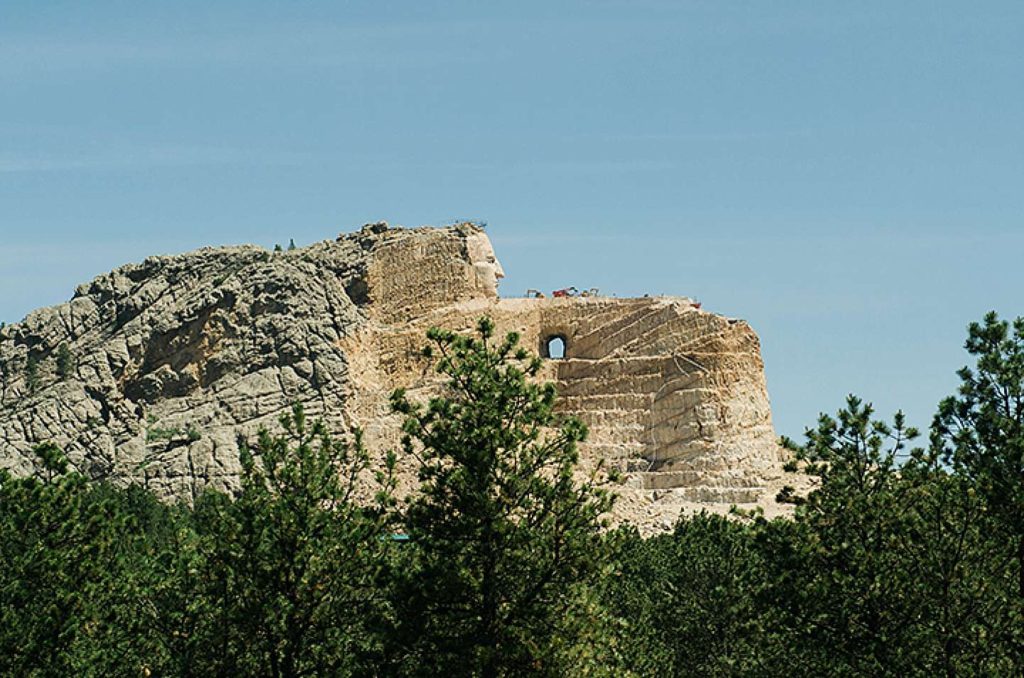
(485, 264)
(175, 357)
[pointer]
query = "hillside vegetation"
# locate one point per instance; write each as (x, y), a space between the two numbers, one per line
(906, 559)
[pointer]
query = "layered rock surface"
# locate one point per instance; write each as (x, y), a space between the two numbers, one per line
(151, 371)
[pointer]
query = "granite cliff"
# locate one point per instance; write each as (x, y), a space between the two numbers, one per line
(150, 372)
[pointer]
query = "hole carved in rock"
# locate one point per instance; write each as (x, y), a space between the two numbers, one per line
(554, 347)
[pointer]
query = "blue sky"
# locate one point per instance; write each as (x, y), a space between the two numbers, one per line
(849, 177)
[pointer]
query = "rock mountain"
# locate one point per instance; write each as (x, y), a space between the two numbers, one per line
(150, 372)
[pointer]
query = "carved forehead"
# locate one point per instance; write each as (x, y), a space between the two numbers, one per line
(479, 247)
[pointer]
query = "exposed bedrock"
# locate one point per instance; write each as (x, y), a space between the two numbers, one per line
(151, 371)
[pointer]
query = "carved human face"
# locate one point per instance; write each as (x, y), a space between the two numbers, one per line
(486, 266)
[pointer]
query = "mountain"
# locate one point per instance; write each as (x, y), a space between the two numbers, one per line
(151, 372)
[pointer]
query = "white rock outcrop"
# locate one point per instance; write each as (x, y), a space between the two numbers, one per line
(151, 372)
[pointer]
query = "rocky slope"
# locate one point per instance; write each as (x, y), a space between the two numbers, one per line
(151, 371)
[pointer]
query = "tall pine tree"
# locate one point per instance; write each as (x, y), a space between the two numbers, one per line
(504, 534)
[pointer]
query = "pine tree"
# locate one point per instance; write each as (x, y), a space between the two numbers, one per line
(293, 561)
(67, 603)
(893, 569)
(65, 361)
(504, 535)
(689, 599)
(32, 373)
(983, 426)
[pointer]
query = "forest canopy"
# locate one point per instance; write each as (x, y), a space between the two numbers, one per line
(907, 557)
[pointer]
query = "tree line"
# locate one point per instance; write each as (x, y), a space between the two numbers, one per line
(907, 557)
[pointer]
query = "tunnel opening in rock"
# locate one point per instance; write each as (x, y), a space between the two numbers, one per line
(554, 347)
